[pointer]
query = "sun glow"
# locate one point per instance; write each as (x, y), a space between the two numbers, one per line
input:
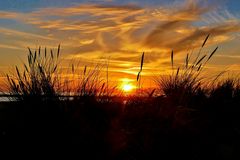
(127, 87)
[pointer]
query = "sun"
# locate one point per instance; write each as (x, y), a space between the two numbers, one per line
(127, 87)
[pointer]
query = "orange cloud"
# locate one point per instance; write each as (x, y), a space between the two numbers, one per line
(8, 15)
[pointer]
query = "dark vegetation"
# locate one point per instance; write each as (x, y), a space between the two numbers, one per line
(191, 119)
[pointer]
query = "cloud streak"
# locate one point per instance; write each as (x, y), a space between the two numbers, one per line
(8, 15)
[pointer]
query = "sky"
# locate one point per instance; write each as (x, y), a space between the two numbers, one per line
(118, 31)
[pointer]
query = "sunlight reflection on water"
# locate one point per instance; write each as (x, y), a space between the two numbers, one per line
(4, 99)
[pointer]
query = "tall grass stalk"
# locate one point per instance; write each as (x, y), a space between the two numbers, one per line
(39, 78)
(140, 71)
(186, 81)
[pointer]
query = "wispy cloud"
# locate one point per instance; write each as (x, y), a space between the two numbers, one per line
(10, 47)
(11, 32)
(8, 15)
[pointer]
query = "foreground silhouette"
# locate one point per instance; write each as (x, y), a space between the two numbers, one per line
(146, 129)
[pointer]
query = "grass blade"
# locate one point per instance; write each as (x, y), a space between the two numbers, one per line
(172, 59)
(51, 53)
(138, 76)
(187, 60)
(85, 70)
(39, 51)
(35, 56)
(178, 71)
(212, 53)
(18, 73)
(200, 60)
(152, 92)
(45, 53)
(58, 51)
(199, 67)
(205, 40)
(142, 60)
(72, 68)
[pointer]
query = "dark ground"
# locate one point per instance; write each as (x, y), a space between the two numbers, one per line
(146, 128)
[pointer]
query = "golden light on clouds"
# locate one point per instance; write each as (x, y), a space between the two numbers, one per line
(121, 32)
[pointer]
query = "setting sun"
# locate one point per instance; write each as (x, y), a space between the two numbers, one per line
(127, 87)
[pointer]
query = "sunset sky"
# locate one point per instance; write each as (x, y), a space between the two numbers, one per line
(120, 30)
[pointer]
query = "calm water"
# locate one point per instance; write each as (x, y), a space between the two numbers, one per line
(4, 99)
